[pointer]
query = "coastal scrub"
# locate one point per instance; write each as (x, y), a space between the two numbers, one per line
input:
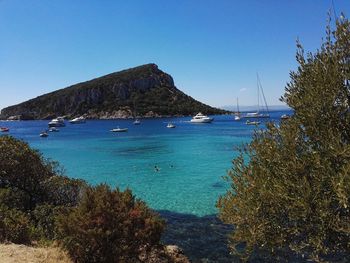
(293, 195)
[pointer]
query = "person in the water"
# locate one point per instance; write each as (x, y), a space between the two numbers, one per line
(156, 168)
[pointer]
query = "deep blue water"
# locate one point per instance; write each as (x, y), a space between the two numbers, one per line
(192, 158)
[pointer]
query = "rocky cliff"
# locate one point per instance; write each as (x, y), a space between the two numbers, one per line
(143, 91)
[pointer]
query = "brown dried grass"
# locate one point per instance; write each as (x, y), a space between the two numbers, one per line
(12, 253)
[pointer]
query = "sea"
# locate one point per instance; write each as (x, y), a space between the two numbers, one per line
(177, 172)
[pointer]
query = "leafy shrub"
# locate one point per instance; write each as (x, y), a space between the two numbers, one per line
(95, 224)
(294, 192)
(14, 199)
(44, 219)
(24, 170)
(14, 226)
(64, 191)
(35, 186)
(109, 226)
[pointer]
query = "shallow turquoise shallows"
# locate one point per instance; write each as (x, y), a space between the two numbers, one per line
(179, 169)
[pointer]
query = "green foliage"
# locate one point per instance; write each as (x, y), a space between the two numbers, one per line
(294, 191)
(95, 224)
(64, 191)
(33, 191)
(109, 226)
(24, 170)
(139, 90)
(31, 180)
(44, 218)
(14, 226)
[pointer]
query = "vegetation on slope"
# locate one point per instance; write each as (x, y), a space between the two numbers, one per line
(94, 224)
(141, 91)
(294, 192)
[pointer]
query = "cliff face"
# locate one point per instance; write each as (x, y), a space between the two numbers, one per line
(143, 91)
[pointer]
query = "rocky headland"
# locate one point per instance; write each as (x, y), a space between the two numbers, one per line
(143, 91)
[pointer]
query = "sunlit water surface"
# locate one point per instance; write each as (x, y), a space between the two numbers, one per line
(178, 171)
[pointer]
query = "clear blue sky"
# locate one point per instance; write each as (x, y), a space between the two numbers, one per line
(213, 49)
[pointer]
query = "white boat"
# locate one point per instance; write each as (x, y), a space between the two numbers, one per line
(285, 117)
(119, 130)
(137, 122)
(237, 114)
(257, 115)
(78, 120)
(53, 129)
(248, 122)
(170, 125)
(201, 118)
(265, 111)
(43, 134)
(4, 129)
(58, 122)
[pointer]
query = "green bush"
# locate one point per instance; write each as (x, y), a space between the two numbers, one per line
(94, 224)
(44, 218)
(34, 188)
(64, 191)
(14, 199)
(14, 226)
(109, 226)
(24, 170)
(293, 192)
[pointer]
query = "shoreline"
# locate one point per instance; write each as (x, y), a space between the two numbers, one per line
(202, 238)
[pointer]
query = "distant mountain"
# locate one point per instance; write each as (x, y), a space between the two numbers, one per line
(143, 91)
(253, 108)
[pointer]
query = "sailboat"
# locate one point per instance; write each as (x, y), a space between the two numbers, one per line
(136, 120)
(237, 114)
(258, 113)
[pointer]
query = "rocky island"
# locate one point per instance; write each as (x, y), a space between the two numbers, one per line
(143, 91)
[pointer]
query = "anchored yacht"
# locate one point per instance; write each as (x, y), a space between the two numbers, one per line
(119, 129)
(58, 122)
(201, 118)
(78, 120)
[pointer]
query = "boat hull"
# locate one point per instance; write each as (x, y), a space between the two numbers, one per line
(257, 116)
(76, 122)
(208, 120)
(119, 130)
(56, 124)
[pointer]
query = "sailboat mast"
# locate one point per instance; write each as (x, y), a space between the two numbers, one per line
(237, 106)
(263, 94)
(257, 83)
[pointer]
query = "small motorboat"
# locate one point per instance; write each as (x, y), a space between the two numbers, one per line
(137, 122)
(53, 129)
(119, 130)
(4, 129)
(44, 134)
(170, 125)
(248, 122)
(78, 120)
(285, 117)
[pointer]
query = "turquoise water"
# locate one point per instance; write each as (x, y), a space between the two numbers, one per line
(192, 158)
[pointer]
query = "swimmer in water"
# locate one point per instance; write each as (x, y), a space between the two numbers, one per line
(156, 169)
